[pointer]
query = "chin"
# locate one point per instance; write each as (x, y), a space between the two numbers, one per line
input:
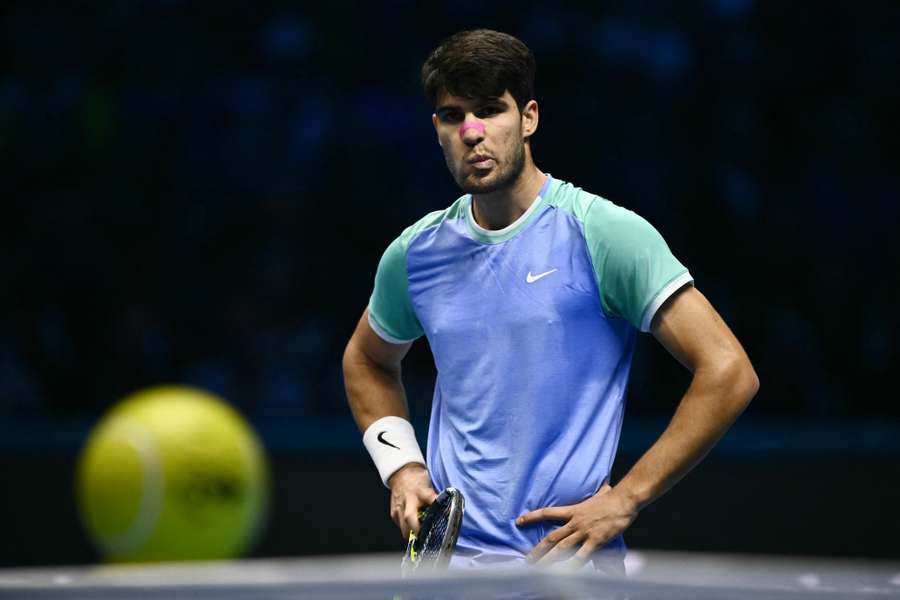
(473, 184)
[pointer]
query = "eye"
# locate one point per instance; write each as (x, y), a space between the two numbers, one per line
(489, 110)
(450, 116)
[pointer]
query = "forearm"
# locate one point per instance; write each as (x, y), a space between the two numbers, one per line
(373, 391)
(711, 404)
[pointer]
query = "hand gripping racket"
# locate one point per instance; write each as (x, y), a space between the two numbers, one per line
(432, 548)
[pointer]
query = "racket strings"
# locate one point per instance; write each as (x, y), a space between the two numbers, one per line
(432, 548)
(433, 541)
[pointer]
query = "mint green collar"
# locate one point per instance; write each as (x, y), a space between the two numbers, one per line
(495, 236)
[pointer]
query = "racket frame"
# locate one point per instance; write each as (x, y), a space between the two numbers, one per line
(411, 561)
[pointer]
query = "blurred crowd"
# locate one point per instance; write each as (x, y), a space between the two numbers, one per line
(200, 192)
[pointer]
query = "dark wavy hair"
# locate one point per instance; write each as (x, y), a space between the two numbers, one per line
(480, 64)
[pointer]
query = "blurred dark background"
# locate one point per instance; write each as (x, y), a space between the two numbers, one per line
(200, 193)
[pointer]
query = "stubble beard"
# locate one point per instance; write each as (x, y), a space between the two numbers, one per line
(502, 177)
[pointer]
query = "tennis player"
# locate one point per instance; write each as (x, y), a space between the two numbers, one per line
(531, 292)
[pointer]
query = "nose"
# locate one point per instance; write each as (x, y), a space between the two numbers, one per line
(471, 132)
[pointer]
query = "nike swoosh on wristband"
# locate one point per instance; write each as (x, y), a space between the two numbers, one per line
(532, 278)
(384, 441)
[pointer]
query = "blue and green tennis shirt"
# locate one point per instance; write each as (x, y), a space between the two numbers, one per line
(532, 329)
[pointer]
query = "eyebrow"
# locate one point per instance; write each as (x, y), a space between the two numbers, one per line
(441, 111)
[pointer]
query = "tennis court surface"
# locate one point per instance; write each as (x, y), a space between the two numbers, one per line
(651, 575)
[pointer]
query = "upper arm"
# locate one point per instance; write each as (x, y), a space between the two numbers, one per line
(390, 312)
(372, 376)
(634, 267)
(389, 324)
(368, 345)
(692, 331)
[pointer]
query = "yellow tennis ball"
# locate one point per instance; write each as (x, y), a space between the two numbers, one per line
(172, 473)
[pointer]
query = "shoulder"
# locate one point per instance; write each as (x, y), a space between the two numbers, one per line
(596, 214)
(431, 221)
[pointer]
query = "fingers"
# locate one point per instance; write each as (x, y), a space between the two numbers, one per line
(411, 491)
(567, 542)
(410, 520)
(588, 526)
(564, 550)
(576, 549)
(400, 514)
(422, 499)
(552, 513)
(549, 541)
(426, 495)
(405, 512)
(584, 553)
(397, 516)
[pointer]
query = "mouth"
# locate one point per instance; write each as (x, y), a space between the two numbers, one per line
(481, 161)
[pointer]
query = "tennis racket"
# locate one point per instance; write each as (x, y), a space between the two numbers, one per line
(439, 525)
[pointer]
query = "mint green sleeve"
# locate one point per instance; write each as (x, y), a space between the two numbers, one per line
(391, 313)
(634, 268)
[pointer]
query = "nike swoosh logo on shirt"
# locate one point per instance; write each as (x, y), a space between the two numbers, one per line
(532, 278)
(384, 441)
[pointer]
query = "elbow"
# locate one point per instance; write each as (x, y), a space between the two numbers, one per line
(353, 359)
(744, 383)
(348, 358)
(735, 381)
(754, 383)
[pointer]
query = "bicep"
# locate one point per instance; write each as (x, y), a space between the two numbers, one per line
(692, 331)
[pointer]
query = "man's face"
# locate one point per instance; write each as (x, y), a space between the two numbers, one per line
(483, 139)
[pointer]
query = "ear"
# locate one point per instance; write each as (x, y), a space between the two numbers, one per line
(434, 122)
(530, 118)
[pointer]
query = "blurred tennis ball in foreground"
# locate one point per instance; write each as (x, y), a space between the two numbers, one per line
(172, 473)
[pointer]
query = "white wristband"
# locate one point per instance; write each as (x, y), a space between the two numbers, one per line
(391, 443)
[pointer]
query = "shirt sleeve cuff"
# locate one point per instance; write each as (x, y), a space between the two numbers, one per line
(660, 298)
(378, 329)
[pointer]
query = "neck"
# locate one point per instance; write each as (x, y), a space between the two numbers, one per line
(499, 209)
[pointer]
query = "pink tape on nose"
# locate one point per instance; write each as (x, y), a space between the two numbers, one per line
(470, 125)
